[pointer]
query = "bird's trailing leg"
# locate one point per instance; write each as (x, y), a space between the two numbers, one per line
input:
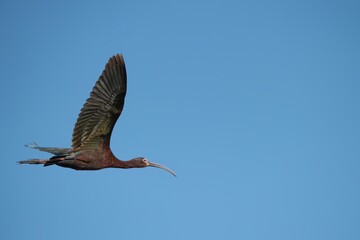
(46, 162)
(33, 161)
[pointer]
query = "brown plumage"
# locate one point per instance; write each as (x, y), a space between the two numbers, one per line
(90, 148)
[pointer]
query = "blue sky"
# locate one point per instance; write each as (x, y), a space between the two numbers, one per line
(254, 104)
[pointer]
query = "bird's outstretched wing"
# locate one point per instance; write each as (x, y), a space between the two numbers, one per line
(100, 112)
(55, 151)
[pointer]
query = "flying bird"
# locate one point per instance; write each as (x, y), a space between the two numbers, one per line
(90, 148)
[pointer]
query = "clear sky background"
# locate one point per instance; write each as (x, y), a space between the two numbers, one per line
(254, 104)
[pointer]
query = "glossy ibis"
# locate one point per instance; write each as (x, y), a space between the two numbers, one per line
(91, 136)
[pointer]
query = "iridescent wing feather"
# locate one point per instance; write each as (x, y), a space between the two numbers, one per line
(102, 109)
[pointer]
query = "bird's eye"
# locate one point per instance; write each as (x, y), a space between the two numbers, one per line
(144, 160)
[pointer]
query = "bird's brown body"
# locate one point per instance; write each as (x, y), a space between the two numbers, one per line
(94, 159)
(92, 132)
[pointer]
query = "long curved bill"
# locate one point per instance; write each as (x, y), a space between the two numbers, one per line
(162, 167)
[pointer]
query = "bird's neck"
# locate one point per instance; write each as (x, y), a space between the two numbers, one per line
(117, 163)
(114, 162)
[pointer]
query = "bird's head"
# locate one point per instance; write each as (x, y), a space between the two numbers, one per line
(141, 162)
